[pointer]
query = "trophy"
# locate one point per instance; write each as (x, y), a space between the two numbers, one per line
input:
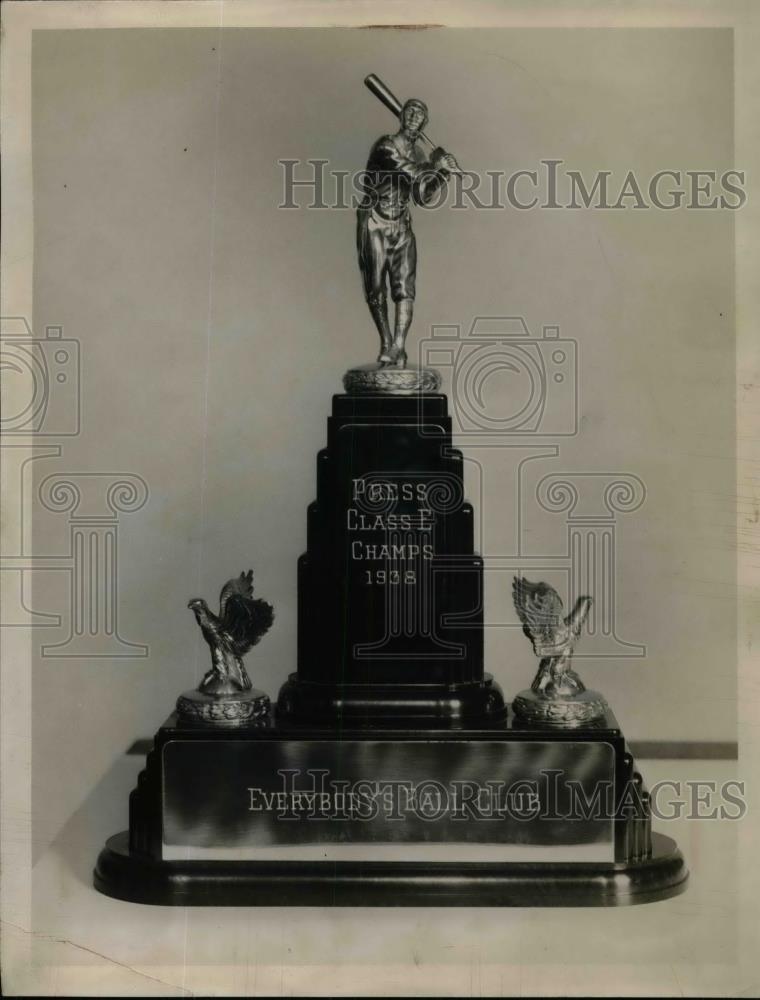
(390, 770)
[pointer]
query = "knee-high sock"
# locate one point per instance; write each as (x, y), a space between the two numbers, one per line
(379, 310)
(404, 313)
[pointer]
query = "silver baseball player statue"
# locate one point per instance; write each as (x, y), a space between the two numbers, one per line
(397, 175)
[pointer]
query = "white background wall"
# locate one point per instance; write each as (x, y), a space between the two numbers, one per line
(214, 329)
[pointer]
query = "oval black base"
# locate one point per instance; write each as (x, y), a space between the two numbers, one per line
(141, 879)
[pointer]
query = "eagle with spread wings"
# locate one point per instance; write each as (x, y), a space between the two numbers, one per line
(540, 610)
(242, 620)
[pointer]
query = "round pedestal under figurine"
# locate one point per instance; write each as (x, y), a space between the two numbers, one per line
(384, 378)
(564, 713)
(237, 709)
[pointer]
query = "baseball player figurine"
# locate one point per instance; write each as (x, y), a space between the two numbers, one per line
(397, 174)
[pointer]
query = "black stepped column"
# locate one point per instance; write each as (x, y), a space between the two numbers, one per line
(390, 590)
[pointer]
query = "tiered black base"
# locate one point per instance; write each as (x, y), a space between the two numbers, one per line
(375, 704)
(319, 883)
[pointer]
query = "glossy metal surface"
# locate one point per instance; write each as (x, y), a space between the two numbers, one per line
(557, 696)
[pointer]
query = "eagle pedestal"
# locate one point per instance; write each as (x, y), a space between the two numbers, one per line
(390, 772)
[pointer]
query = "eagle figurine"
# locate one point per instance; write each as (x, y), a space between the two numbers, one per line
(240, 624)
(540, 609)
